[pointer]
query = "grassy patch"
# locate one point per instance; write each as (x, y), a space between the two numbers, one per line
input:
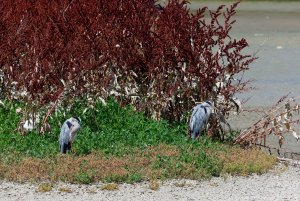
(83, 178)
(117, 145)
(245, 162)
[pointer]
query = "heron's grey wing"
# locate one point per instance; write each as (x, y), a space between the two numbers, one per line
(193, 119)
(64, 134)
(197, 120)
(207, 113)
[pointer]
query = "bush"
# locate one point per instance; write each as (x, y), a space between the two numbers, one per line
(54, 52)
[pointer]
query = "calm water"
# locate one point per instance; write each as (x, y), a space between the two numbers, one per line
(277, 70)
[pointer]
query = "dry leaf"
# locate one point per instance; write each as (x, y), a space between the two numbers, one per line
(288, 125)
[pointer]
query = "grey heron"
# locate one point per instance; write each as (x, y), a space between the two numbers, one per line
(68, 133)
(199, 118)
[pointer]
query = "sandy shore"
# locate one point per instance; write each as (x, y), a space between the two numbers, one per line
(281, 183)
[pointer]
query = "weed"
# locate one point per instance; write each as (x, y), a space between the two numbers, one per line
(116, 178)
(92, 191)
(110, 187)
(83, 178)
(245, 162)
(154, 185)
(213, 184)
(120, 178)
(65, 190)
(180, 184)
(134, 177)
(44, 187)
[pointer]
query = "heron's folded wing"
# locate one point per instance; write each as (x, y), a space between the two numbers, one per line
(64, 133)
(197, 118)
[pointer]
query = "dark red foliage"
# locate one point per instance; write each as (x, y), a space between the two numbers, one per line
(162, 61)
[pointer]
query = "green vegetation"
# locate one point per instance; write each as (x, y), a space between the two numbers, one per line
(117, 145)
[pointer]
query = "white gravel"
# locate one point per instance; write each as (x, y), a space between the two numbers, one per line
(281, 183)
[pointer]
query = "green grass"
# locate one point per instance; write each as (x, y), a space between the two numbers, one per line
(112, 129)
(117, 145)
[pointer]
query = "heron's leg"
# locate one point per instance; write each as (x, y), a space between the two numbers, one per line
(64, 148)
(69, 146)
(197, 135)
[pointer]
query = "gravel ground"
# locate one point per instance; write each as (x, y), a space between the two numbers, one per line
(281, 183)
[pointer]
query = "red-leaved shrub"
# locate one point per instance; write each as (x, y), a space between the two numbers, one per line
(161, 61)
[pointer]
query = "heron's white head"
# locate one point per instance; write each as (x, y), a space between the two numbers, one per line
(211, 104)
(208, 103)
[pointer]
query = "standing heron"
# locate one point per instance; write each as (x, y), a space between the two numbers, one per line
(68, 133)
(199, 118)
